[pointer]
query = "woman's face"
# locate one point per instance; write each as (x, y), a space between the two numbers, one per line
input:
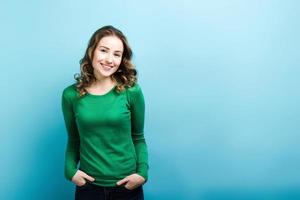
(107, 56)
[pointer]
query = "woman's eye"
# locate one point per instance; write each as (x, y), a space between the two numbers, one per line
(102, 50)
(117, 55)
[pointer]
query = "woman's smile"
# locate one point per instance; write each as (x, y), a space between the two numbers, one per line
(106, 67)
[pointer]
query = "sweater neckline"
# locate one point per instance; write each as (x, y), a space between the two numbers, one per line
(101, 95)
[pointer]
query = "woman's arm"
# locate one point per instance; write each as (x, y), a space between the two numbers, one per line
(72, 149)
(137, 107)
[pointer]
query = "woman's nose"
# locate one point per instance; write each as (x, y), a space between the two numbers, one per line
(109, 58)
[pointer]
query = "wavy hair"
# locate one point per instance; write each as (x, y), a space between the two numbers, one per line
(125, 76)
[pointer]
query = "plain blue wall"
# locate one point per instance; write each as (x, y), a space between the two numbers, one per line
(221, 81)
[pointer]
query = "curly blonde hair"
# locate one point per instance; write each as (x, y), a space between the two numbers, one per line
(125, 76)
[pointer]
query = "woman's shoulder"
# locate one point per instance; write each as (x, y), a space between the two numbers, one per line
(134, 92)
(135, 89)
(70, 92)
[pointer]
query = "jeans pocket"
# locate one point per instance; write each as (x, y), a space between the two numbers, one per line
(130, 190)
(83, 186)
(136, 193)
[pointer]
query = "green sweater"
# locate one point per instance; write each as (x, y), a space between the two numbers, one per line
(105, 134)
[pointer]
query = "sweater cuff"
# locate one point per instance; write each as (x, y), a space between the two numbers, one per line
(69, 173)
(142, 170)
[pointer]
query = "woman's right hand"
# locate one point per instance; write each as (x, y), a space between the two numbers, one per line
(80, 178)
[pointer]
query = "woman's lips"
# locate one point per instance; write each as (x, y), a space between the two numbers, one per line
(107, 67)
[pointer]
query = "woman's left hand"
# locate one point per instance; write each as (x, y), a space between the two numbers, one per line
(132, 181)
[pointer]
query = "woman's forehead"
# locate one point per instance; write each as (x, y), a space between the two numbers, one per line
(111, 42)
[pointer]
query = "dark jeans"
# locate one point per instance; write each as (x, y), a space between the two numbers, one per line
(94, 192)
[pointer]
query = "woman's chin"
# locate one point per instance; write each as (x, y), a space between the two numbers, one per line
(104, 73)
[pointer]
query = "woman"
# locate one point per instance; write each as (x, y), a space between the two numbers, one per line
(104, 118)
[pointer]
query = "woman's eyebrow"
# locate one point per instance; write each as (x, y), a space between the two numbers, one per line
(108, 48)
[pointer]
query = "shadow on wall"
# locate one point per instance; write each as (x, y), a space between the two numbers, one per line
(44, 170)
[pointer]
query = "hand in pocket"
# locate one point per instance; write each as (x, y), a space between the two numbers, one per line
(80, 178)
(131, 182)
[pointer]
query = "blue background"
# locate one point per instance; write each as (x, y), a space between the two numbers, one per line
(220, 78)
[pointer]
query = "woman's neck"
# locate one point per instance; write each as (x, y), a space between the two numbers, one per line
(103, 83)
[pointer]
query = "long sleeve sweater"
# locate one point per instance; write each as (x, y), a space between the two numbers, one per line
(105, 134)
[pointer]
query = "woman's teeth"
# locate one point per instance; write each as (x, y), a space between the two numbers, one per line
(107, 66)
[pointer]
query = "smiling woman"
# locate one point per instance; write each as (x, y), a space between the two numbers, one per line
(104, 117)
(107, 56)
